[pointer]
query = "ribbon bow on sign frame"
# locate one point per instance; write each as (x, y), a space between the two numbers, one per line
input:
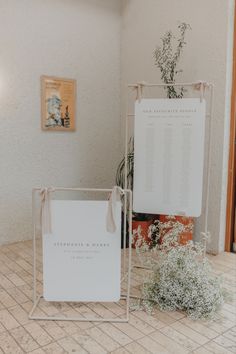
(45, 213)
(115, 197)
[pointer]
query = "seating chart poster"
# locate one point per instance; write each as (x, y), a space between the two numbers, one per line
(81, 260)
(169, 156)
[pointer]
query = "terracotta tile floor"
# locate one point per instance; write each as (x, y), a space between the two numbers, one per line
(160, 333)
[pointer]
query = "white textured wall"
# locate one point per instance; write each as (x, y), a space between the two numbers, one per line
(81, 39)
(205, 57)
(69, 38)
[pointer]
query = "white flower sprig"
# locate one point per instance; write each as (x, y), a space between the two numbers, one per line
(167, 58)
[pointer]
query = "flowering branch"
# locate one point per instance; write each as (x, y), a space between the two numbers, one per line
(166, 60)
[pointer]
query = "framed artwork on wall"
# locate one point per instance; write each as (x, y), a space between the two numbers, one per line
(58, 97)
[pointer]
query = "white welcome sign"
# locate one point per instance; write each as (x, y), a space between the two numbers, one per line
(81, 260)
(169, 156)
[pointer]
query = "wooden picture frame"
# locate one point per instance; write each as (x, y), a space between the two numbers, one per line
(58, 100)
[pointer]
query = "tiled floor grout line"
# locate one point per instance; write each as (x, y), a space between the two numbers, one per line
(124, 346)
(8, 332)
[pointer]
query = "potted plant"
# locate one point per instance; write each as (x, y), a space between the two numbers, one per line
(141, 221)
(166, 59)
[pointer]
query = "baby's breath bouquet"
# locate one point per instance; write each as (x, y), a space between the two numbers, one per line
(181, 277)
